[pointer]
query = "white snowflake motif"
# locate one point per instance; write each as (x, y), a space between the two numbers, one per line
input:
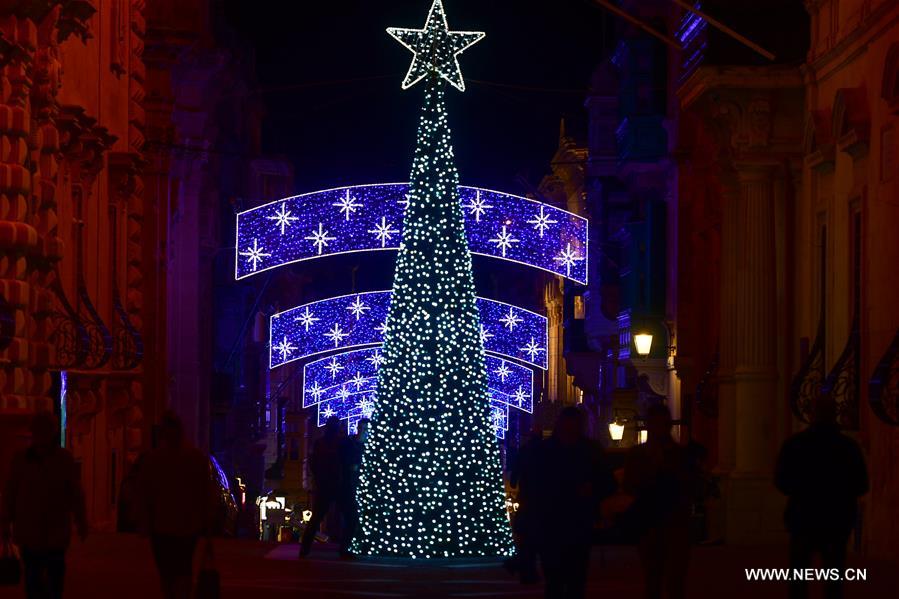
(498, 418)
(334, 367)
(306, 319)
(382, 328)
(520, 396)
(328, 413)
(567, 258)
(511, 320)
(383, 231)
(367, 406)
(477, 206)
(376, 359)
(315, 391)
(320, 238)
(504, 240)
(336, 334)
(343, 393)
(485, 336)
(358, 308)
(283, 218)
(255, 254)
(347, 204)
(503, 371)
(532, 349)
(542, 222)
(404, 202)
(285, 348)
(358, 380)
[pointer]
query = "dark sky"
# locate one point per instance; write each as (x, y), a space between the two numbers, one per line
(331, 78)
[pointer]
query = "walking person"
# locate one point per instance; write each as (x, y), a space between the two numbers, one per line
(659, 474)
(571, 480)
(822, 472)
(351, 462)
(326, 474)
(178, 505)
(42, 499)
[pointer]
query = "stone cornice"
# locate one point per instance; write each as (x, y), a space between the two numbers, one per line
(709, 78)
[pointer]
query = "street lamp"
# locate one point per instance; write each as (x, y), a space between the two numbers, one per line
(643, 344)
(616, 431)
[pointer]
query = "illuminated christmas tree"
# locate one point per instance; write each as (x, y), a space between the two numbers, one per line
(431, 482)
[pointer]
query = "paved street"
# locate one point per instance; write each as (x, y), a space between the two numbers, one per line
(115, 566)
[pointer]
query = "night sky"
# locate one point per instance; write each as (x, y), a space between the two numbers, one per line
(330, 81)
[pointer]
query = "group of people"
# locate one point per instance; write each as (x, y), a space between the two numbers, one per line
(562, 483)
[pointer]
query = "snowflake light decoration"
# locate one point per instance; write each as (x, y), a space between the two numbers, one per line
(543, 232)
(282, 218)
(358, 319)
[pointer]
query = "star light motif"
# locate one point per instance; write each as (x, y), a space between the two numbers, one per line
(255, 254)
(404, 202)
(435, 48)
(477, 206)
(532, 349)
(521, 396)
(307, 319)
(510, 320)
(283, 218)
(485, 335)
(336, 334)
(567, 258)
(358, 308)
(328, 412)
(383, 231)
(382, 328)
(504, 240)
(542, 222)
(285, 348)
(367, 406)
(503, 371)
(320, 239)
(315, 391)
(347, 204)
(358, 380)
(343, 393)
(334, 367)
(376, 359)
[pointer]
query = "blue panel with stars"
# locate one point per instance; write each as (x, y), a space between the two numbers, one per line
(354, 373)
(370, 217)
(358, 320)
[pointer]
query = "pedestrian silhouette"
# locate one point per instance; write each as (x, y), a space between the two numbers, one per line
(822, 472)
(325, 466)
(351, 464)
(42, 499)
(177, 505)
(525, 520)
(661, 477)
(571, 479)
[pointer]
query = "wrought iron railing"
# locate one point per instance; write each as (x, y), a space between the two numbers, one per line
(883, 388)
(68, 334)
(806, 385)
(707, 390)
(843, 383)
(99, 339)
(127, 344)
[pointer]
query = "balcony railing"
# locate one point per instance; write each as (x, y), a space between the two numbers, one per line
(843, 383)
(883, 388)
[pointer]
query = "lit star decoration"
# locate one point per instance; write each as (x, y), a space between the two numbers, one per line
(477, 206)
(362, 317)
(283, 218)
(504, 240)
(383, 232)
(285, 348)
(320, 238)
(542, 221)
(568, 258)
(533, 350)
(383, 204)
(255, 254)
(347, 204)
(357, 370)
(435, 48)
(431, 483)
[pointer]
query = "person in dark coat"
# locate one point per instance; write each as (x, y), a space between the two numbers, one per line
(571, 479)
(822, 472)
(325, 465)
(351, 462)
(42, 499)
(662, 477)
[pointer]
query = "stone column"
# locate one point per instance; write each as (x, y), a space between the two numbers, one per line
(727, 344)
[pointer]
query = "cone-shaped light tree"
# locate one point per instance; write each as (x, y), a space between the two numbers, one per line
(431, 481)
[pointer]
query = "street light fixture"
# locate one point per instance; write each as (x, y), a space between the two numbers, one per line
(616, 431)
(643, 344)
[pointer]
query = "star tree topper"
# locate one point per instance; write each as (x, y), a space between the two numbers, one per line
(436, 49)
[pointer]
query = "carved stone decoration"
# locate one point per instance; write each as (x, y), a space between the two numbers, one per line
(758, 122)
(852, 120)
(75, 19)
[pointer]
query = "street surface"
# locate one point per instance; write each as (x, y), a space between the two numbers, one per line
(112, 566)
